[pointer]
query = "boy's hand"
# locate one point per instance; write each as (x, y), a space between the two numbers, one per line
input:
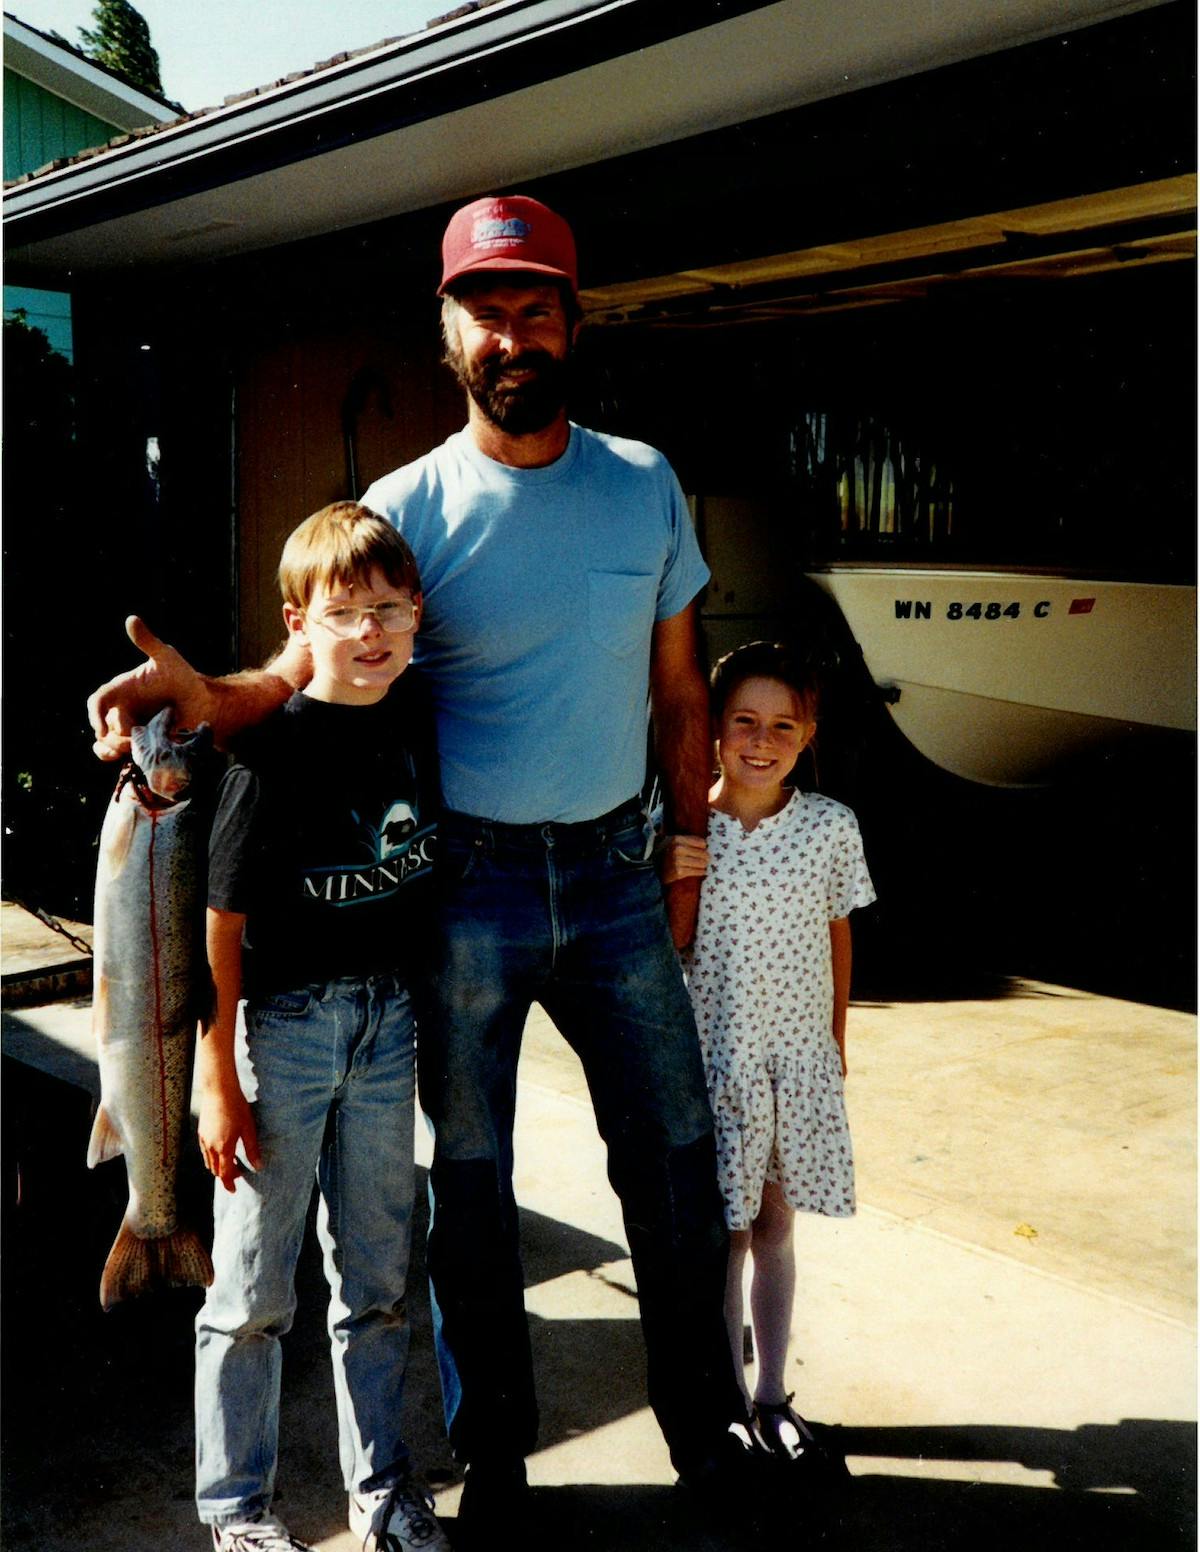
(132, 698)
(225, 1120)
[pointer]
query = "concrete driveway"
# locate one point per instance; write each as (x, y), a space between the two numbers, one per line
(1003, 1339)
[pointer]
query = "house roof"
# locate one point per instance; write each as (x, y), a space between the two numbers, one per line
(495, 93)
(67, 72)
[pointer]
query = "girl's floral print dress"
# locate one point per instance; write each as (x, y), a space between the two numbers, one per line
(761, 980)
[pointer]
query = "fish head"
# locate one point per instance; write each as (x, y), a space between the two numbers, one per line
(168, 757)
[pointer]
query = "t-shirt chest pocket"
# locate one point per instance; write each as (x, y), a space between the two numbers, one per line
(621, 609)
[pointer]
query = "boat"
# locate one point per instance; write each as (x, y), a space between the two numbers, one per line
(983, 462)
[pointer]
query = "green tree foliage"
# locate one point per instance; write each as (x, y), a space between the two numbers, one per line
(121, 42)
(39, 407)
(51, 796)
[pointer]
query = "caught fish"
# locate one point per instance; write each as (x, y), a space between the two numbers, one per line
(150, 987)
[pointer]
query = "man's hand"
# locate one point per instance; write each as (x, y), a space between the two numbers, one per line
(682, 901)
(227, 704)
(682, 736)
(132, 698)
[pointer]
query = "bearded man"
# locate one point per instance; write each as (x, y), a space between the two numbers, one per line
(560, 571)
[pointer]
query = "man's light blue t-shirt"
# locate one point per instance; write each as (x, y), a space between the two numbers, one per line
(542, 588)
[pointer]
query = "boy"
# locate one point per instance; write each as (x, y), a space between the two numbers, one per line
(319, 865)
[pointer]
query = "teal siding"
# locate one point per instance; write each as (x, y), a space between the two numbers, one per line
(49, 311)
(40, 127)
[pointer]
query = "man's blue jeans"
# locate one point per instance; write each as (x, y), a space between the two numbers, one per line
(330, 1069)
(570, 916)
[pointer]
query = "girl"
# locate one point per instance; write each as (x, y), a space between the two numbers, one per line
(769, 977)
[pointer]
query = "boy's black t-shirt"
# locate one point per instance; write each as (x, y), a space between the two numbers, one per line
(324, 836)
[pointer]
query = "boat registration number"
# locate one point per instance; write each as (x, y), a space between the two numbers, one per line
(922, 609)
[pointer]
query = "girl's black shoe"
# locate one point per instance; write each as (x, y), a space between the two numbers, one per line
(787, 1437)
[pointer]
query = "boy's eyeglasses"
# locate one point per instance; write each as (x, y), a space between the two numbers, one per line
(399, 614)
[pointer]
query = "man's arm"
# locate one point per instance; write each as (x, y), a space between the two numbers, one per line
(167, 678)
(683, 741)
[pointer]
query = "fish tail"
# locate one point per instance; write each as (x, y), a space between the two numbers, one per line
(105, 1141)
(127, 1270)
(182, 1260)
(137, 1265)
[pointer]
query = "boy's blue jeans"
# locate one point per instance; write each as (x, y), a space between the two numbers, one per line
(330, 1069)
(570, 916)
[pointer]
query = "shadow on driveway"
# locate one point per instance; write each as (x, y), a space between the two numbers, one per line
(97, 1430)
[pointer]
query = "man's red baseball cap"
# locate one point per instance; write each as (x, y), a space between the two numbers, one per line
(510, 232)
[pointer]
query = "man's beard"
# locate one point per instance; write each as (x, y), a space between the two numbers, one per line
(519, 408)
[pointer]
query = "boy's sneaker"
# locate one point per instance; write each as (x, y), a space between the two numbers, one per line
(264, 1534)
(399, 1518)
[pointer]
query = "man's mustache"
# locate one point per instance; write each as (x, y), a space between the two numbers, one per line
(539, 362)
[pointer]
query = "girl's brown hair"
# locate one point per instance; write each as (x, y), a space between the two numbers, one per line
(766, 660)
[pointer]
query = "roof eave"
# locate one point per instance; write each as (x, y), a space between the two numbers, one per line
(314, 112)
(86, 85)
(515, 91)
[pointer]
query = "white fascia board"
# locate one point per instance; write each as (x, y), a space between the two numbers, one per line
(83, 85)
(411, 59)
(765, 58)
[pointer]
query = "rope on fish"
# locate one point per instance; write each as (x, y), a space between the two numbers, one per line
(132, 776)
(55, 926)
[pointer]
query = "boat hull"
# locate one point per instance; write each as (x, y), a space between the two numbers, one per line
(1002, 676)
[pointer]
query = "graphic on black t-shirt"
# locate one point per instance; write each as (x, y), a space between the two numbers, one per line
(398, 824)
(396, 850)
(329, 807)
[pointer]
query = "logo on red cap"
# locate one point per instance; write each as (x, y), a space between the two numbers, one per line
(495, 232)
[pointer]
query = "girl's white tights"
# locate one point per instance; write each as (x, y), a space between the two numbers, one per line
(772, 1293)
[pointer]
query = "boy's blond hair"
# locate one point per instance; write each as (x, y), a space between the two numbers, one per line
(337, 547)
